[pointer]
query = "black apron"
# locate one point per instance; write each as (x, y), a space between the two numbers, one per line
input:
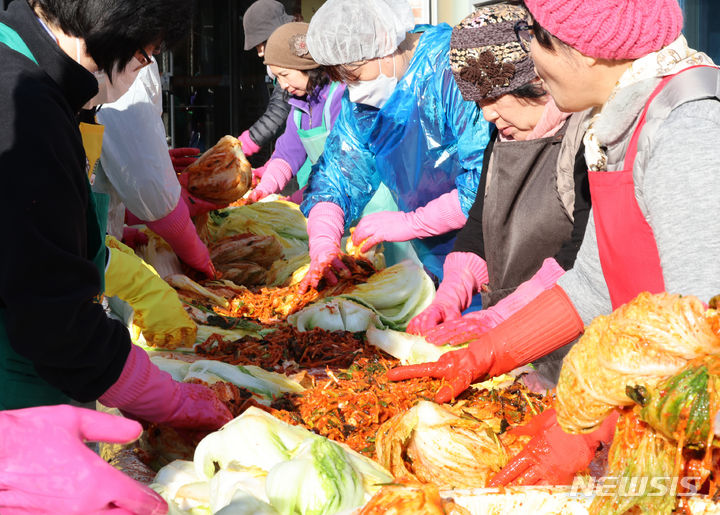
(524, 220)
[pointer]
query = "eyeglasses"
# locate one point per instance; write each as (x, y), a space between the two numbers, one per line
(523, 32)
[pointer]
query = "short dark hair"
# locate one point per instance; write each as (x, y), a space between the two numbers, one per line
(114, 30)
(343, 72)
(530, 90)
(543, 37)
(317, 79)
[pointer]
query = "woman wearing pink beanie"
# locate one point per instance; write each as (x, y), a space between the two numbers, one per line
(652, 153)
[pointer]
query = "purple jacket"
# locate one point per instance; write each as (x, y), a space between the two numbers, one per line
(288, 147)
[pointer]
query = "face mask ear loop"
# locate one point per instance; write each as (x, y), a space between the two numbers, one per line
(77, 50)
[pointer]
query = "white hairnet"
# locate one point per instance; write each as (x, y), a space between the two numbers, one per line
(346, 31)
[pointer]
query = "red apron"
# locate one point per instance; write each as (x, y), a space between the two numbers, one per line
(628, 252)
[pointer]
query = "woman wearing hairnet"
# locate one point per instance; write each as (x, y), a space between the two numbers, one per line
(405, 138)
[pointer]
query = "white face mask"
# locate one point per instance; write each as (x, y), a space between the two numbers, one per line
(373, 92)
(122, 80)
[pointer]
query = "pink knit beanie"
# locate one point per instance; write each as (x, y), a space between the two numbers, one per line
(610, 29)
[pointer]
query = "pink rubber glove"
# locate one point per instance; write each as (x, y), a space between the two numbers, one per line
(326, 223)
(183, 157)
(134, 238)
(464, 273)
(249, 147)
(147, 393)
(197, 206)
(277, 174)
(259, 172)
(177, 229)
(553, 457)
(474, 324)
(45, 466)
(439, 216)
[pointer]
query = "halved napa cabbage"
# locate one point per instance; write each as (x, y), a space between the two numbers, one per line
(269, 218)
(265, 385)
(335, 314)
(408, 348)
(257, 459)
(396, 294)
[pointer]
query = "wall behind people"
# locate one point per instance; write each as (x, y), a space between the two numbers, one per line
(310, 7)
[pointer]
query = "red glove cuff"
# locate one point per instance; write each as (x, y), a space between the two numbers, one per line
(544, 325)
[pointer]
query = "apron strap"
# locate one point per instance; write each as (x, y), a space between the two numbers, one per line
(297, 114)
(326, 110)
(297, 118)
(631, 152)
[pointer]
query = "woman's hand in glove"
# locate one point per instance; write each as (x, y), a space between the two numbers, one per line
(477, 323)
(147, 393)
(458, 367)
(276, 175)
(464, 273)
(327, 266)
(45, 466)
(432, 316)
(325, 229)
(439, 216)
(249, 147)
(463, 329)
(196, 206)
(552, 457)
(133, 237)
(183, 157)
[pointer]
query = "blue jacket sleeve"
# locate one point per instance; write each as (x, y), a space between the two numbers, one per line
(345, 173)
(473, 134)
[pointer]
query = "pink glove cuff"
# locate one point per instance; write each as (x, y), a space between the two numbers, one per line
(444, 214)
(142, 389)
(178, 230)
(464, 273)
(326, 224)
(249, 147)
(277, 174)
(544, 279)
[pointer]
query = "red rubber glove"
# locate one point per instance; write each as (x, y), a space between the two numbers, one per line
(183, 157)
(326, 223)
(553, 457)
(177, 229)
(147, 393)
(133, 237)
(477, 323)
(45, 466)
(463, 274)
(544, 325)
(197, 206)
(437, 217)
(276, 175)
(249, 147)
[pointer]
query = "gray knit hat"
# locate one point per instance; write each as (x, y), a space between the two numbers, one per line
(486, 56)
(261, 19)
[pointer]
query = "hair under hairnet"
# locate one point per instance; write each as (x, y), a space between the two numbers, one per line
(346, 31)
